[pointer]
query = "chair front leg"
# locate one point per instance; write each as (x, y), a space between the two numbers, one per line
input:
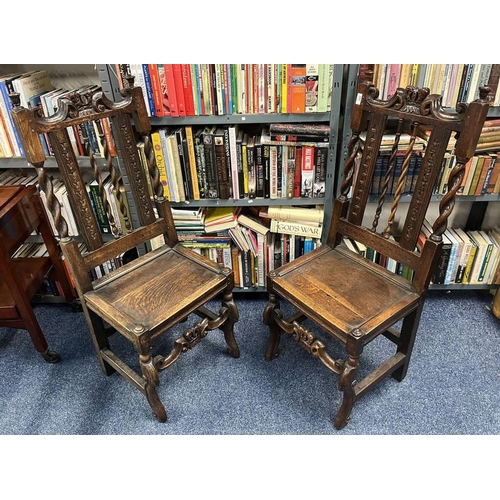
(228, 325)
(348, 378)
(150, 374)
(274, 329)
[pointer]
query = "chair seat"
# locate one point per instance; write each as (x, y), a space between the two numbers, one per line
(352, 292)
(154, 291)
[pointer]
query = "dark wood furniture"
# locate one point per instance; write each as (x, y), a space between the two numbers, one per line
(144, 298)
(21, 213)
(351, 298)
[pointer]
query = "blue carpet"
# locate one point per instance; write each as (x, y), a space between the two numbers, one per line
(452, 386)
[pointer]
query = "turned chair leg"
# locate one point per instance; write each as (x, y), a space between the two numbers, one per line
(274, 329)
(150, 374)
(228, 326)
(348, 379)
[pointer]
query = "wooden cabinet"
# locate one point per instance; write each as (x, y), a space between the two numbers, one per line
(21, 213)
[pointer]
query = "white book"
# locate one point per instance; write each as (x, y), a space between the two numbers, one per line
(139, 81)
(464, 256)
(233, 132)
(448, 237)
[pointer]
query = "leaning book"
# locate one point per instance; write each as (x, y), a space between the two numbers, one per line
(295, 228)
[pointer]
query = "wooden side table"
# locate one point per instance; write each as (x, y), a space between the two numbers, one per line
(21, 212)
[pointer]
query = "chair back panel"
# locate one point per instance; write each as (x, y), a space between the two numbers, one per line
(80, 114)
(409, 111)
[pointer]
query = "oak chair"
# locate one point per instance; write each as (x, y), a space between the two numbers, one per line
(350, 297)
(144, 298)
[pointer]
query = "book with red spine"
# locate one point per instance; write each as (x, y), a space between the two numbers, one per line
(298, 172)
(156, 86)
(172, 94)
(179, 89)
(187, 86)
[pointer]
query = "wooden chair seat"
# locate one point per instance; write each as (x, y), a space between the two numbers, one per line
(354, 293)
(155, 291)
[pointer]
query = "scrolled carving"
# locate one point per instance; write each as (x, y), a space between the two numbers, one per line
(417, 101)
(408, 100)
(77, 104)
(432, 106)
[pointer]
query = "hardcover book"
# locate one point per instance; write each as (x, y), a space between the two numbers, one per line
(221, 163)
(307, 171)
(298, 87)
(295, 228)
(312, 81)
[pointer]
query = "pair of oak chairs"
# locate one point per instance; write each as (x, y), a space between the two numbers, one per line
(350, 298)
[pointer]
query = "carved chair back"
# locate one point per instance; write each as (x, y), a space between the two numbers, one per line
(409, 111)
(79, 112)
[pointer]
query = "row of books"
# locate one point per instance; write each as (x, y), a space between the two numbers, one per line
(232, 162)
(481, 175)
(14, 177)
(36, 90)
(467, 257)
(225, 89)
(29, 85)
(203, 222)
(248, 240)
(454, 82)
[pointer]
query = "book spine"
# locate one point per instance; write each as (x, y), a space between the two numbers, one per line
(294, 228)
(192, 162)
(149, 89)
(259, 171)
(320, 172)
(266, 161)
(290, 172)
(221, 165)
(16, 142)
(100, 210)
(312, 80)
(298, 88)
(160, 163)
(284, 89)
(187, 88)
(307, 172)
(156, 88)
(273, 172)
(252, 177)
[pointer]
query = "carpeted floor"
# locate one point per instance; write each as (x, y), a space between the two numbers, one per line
(452, 386)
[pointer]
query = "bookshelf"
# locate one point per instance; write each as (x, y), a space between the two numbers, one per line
(109, 80)
(470, 212)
